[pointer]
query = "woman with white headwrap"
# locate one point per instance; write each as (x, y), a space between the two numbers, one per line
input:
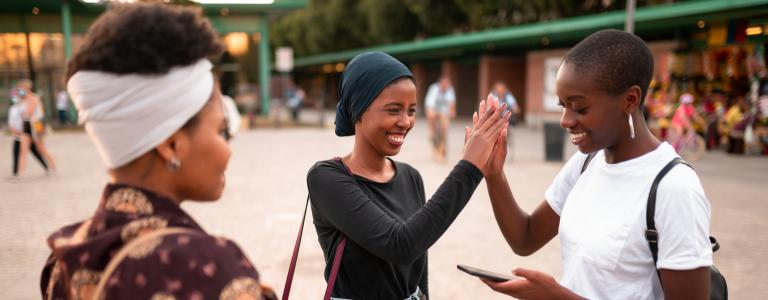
(144, 90)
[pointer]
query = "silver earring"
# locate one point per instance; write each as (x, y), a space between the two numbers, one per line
(174, 164)
(631, 127)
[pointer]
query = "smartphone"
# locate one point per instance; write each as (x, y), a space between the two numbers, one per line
(492, 276)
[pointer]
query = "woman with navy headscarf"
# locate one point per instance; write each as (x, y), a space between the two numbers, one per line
(377, 205)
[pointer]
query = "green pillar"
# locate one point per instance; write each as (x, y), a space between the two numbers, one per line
(264, 65)
(66, 28)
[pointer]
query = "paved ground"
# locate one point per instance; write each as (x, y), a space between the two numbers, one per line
(266, 191)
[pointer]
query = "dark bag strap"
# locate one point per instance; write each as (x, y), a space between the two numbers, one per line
(651, 235)
(336, 258)
(586, 161)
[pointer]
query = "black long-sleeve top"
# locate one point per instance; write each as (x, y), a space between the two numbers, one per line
(388, 225)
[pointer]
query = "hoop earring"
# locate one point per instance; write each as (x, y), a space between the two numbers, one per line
(631, 127)
(174, 164)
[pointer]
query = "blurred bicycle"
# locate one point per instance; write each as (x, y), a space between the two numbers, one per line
(689, 146)
(682, 135)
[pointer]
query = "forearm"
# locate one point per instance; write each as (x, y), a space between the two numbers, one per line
(514, 223)
(427, 225)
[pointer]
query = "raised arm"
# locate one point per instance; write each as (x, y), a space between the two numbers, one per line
(524, 233)
(337, 197)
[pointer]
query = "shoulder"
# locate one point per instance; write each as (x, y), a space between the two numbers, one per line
(579, 161)
(189, 246)
(325, 167)
(326, 172)
(406, 168)
(681, 179)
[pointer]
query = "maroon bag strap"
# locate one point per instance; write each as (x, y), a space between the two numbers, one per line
(295, 256)
(335, 268)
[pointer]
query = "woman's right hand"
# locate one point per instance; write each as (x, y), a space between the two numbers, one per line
(484, 134)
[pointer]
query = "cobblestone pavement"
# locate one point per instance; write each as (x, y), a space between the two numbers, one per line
(266, 190)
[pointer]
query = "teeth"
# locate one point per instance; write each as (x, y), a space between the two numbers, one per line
(575, 136)
(396, 138)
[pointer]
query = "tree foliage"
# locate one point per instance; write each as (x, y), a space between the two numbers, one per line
(333, 25)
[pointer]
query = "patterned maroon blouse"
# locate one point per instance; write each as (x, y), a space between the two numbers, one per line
(179, 266)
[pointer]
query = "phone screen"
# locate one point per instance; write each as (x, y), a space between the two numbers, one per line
(492, 276)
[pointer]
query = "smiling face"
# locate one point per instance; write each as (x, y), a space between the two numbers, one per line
(385, 124)
(593, 117)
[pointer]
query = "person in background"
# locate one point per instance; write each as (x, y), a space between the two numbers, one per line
(21, 141)
(32, 115)
(440, 103)
(62, 106)
(733, 116)
(683, 120)
(145, 92)
(501, 92)
(296, 97)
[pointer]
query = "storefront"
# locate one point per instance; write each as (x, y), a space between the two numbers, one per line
(37, 37)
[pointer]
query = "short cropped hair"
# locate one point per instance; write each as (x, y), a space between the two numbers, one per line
(146, 38)
(616, 59)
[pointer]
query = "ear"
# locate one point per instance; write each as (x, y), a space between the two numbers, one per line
(173, 146)
(632, 99)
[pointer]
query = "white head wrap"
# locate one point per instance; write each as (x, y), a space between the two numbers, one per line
(128, 115)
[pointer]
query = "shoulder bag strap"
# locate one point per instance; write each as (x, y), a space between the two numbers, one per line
(336, 258)
(294, 257)
(586, 161)
(651, 235)
(98, 293)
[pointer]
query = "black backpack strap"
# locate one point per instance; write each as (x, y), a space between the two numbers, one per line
(651, 235)
(590, 156)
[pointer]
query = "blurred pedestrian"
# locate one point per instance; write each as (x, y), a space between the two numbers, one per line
(440, 103)
(32, 116)
(597, 202)
(296, 97)
(22, 143)
(683, 121)
(502, 93)
(377, 206)
(62, 106)
(736, 120)
(143, 85)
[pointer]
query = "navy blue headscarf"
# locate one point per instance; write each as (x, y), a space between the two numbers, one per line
(366, 75)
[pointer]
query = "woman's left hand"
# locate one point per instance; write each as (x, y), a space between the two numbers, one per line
(532, 285)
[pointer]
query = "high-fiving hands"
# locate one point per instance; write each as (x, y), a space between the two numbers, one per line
(485, 143)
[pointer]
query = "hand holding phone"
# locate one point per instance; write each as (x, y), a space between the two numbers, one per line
(492, 276)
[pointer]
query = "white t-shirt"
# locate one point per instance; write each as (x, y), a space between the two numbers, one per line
(602, 224)
(62, 99)
(14, 118)
(439, 100)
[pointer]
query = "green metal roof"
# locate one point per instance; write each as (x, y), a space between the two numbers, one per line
(528, 36)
